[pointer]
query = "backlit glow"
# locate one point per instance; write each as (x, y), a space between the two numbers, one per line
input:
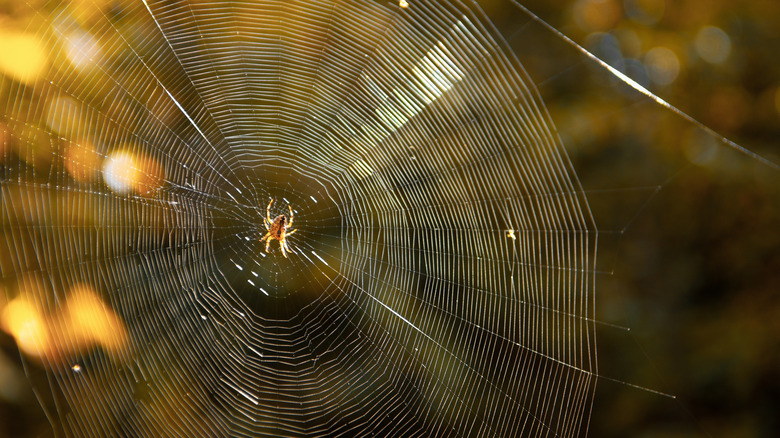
(23, 56)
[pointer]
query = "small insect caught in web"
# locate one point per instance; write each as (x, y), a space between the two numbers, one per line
(277, 229)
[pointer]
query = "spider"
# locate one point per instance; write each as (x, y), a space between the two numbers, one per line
(277, 229)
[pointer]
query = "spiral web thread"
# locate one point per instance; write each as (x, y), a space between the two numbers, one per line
(441, 275)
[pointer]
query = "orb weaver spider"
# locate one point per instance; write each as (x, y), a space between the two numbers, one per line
(277, 229)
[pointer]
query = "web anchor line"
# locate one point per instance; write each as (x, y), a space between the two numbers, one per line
(643, 388)
(638, 87)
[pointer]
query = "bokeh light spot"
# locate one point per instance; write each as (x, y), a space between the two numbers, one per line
(662, 65)
(81, 48)
(125, 172)
(630, 43)
(25, 322)
(82, 161)
(23, 56)
(713, 44)
(89, 320)
(120, 171)
(597, 15)
(84, 322)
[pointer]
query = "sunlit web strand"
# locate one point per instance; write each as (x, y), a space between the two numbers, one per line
(256, 376)
(396, 314)
(641, 89)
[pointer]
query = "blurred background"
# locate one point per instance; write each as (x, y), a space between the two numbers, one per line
(688, 250)
(688, 271)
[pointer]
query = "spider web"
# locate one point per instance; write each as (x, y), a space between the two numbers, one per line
(441, 278)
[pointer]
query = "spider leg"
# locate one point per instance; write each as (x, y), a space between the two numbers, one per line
(267, 235)
(290, 232)
(268, 213)
(291, 216)
(283, 247)
(268, 245)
